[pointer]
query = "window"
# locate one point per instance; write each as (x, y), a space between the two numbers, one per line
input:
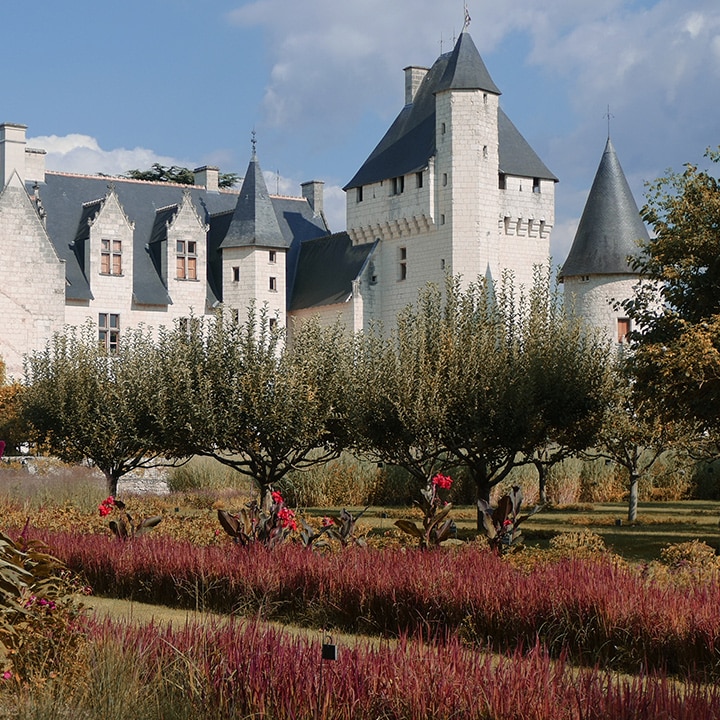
(442, 129)
(109, 332)
(502, 181)
(273, 324)
(623, 325)
(273, 284)
(236, 274)
(186, 257)
(398, 185)
(403, 263)
(111, 257)
(536, 185)
(442, 263)
(584, 278)
(485, 151)
(444, 179)
(419, 179)
(272, 256)
(359, 196)
(484, 98)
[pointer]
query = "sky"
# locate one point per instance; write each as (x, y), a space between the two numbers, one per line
(113, 86)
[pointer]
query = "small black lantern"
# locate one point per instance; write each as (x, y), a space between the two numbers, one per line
(329, 649)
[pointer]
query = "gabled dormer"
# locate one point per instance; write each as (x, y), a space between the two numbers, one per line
(178, 247)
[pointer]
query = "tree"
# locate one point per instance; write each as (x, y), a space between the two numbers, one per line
(676, 308)
(397, 405)
(478, 377)
(177, 174)
(634, 435)
(568, 368)
(84, 404)
(236, 391)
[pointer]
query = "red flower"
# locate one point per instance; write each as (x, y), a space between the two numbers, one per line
(287, 518)
(326, 521)
(276, 497)
(442, 481)
(104, 510)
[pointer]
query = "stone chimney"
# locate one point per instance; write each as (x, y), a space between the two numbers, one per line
(35, 164)
(207, 176)
(312, 191)
(413, 77)
(12, 152)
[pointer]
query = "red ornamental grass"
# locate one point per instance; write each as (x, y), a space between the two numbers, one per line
(281, 678)
(593, 610)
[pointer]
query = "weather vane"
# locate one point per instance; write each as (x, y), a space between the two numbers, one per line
(467, 18)
(608, 116)
(253, 141)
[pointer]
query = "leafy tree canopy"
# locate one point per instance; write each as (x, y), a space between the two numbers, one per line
(676, 308)
(177, 174)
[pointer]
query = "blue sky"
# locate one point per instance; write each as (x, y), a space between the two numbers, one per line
(110, 86)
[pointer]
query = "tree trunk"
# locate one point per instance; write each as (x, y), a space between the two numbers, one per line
(112, 484)
(633, 502)
(542, 481)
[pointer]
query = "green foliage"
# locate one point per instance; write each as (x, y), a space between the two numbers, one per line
(177, 174)
(37, 607)
(83, 404)
(236, 391)
(676, 344)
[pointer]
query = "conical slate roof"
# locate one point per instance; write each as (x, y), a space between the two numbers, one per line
(610, 225)
(254, 221)
(410, 142)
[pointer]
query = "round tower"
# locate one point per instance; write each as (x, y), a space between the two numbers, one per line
(597, 272)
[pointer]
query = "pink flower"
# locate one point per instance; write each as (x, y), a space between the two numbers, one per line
(7, 675)
(442, 481)
(276, 497)
(326, 521)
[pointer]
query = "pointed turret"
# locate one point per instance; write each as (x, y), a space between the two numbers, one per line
(597, 274)
(254, 221)
(610, 225)
(465, 69)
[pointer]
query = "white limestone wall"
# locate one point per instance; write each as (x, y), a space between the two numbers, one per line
(593, 297)
(256, 267)
(467, 177)
(327, 315)
(383, 212)
(32, 280)
(524, 226)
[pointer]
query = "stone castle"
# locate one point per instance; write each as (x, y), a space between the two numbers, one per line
(452, 187)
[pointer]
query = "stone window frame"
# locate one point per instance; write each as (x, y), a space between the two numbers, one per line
(186, 258)
(110, 257)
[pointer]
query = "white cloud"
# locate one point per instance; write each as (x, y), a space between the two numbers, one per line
(75, 153)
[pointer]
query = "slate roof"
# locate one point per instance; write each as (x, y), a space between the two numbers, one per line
(410, 142)
(326, 269)
(610, 225)
(70, 200)
(254, 221)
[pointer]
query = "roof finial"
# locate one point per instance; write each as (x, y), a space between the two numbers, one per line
(253, 142)
(608, 116)
(467, 18)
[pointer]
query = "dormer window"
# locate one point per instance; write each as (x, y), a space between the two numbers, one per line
(111, 257)
(186, 260)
